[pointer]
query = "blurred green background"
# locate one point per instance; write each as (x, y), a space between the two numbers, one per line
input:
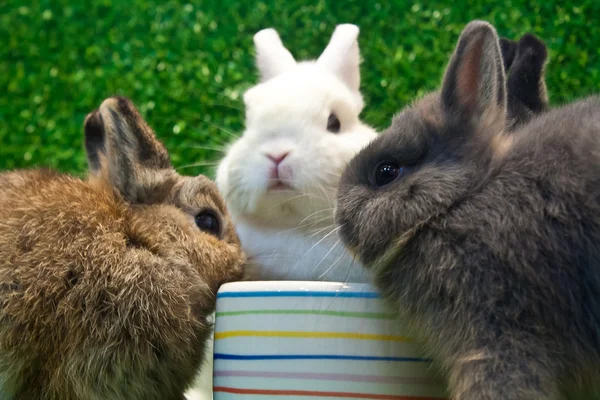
(187, 64)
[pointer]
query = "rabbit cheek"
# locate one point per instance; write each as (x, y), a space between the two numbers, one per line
(348, 218)
(221, 264)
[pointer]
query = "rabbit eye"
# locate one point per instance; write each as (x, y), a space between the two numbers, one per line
(208, 222)
(387, 172)
(333, 123)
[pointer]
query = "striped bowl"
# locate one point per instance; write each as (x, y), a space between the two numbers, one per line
(301, 340)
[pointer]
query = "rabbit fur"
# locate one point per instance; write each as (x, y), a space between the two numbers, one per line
(106, 283)
(280, 178)
(487, 242)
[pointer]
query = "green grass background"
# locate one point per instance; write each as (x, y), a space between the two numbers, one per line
(186, 64)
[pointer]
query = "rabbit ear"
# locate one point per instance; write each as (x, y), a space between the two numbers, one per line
(474, 84)
(94, 140)
(526, 81)
(508, 48)
(121, 146)
(342, 56)
(272, 58)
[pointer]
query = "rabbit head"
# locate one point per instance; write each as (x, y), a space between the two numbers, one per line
(124, 154)
(302, 127)
(107, 284)
(433, 153)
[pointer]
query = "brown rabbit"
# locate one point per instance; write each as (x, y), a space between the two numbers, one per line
(487, 242)
(106, 283)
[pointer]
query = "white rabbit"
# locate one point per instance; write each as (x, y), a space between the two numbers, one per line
(280, 178)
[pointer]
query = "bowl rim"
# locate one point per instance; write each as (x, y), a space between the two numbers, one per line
(297, 288)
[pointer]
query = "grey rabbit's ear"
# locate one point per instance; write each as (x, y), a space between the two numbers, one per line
(120, 145)
(526, 82)
(508, 48)
(473, 89)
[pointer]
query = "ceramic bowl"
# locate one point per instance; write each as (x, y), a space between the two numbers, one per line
(314, 340)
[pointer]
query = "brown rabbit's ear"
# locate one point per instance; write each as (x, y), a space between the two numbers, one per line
(474, 84)
(94, 140)
(121, 146)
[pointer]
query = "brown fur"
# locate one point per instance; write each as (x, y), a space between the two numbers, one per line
(105, 289)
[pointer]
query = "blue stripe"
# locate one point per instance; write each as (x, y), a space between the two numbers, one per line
(367, 295)
(222, 356)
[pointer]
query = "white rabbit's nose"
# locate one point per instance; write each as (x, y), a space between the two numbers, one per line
(277, 158)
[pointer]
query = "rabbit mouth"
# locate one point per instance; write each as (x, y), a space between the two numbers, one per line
(278, 185)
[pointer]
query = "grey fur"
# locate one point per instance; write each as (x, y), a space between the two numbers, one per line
(489, 243)
(526, 87)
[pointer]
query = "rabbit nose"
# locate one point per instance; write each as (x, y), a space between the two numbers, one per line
(277, 159)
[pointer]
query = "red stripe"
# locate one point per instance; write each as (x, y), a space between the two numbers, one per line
(319, 394)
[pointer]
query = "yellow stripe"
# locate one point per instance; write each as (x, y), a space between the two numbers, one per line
(321, 335)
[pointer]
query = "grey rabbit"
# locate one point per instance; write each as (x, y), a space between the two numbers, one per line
(487, 242)
(526, 91)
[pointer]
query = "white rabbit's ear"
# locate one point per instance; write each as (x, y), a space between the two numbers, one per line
(272, 58)
(342, 56)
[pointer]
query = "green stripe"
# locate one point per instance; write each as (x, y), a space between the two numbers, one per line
(350, 314)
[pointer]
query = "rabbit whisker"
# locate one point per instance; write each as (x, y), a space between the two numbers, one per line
(334, 263)
(290, 199)
(319, 231)
(345, 281)
(323, 238)
(315, 213)
(319, 221)
(322, 188)
(221, 128)
(199, 164)
(349, 268)
(225, 106)
(219, 149)
(301, 227)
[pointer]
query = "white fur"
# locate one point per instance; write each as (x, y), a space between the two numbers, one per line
(290, 234)
(271, 57)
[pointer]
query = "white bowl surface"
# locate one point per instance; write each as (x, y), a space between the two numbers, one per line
(309, 340)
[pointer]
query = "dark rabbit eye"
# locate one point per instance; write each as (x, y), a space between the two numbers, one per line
(387, 172)
(208, 222)
(333, 123)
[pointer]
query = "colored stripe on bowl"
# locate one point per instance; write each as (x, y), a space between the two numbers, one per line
(251, 357)
(309, 341)
(416, 380)
(348, 314)
(319, 394)
(340, 294)
(313, 335)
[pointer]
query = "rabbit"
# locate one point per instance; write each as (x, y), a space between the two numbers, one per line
(280, 178)
(106, 283)
(527, 95)
(486, 242)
